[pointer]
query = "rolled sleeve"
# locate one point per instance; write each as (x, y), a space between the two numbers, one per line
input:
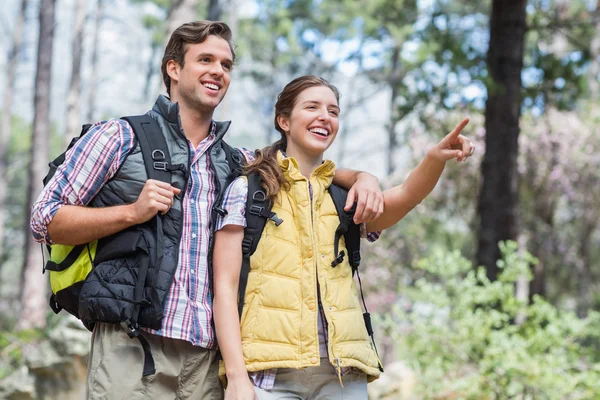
(88, 165)
(234, 203)
(370, 236)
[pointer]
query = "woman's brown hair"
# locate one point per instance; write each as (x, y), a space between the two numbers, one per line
(265, 163)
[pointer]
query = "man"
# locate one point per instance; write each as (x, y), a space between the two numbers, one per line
(101, 191)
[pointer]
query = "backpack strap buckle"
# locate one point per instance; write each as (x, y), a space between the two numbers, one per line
(338, 259)
(161, 165)
(247, 244)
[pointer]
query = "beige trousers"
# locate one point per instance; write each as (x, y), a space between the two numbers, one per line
(183, 371)
(316, 383)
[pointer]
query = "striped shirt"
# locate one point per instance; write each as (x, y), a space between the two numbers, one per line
(234, 202)
(92, 162)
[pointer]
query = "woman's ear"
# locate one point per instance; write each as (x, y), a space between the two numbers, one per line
(283, 122)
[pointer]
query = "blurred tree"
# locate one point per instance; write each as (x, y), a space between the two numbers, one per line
(499, 197)
(74, 93)
(7, 104)
(93, 80)
(34, 284)
(215, 10)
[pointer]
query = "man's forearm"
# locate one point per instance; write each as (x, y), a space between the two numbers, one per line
(73, 225)
(346, 177)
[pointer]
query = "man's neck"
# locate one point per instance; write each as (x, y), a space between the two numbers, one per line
(196, 124)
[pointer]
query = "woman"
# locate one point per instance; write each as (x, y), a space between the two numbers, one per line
(302, 332)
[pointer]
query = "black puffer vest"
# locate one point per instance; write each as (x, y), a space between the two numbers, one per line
(132, 272)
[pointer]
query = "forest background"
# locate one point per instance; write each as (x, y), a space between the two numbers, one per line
(488, 289)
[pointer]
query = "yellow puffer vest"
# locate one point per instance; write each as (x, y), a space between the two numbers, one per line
(279, 320)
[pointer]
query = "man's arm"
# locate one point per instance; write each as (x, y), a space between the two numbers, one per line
(73, 225)
(363, 188)
(399, 200)
(59, 214)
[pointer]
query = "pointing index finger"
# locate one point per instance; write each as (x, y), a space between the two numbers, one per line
(458, 129)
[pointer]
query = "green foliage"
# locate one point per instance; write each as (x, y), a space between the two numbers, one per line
(470, 338)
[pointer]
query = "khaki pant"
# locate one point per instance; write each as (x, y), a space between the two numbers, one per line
(316, 383)
(183, 371)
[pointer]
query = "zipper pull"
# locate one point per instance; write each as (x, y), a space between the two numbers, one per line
(339, 371)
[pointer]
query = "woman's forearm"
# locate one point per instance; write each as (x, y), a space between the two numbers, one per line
(399, 200)
(227, 263)
(227, 325)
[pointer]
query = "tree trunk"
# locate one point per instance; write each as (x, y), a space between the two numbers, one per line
(181, 11)
(214, 10)
(152, 67)
(74, 95)
(391, 129)
(34, 284)
(594, 71)
(91, 110)
(5, 128)
(498, 198)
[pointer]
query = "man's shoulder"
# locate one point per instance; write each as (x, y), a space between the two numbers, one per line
(249, 155)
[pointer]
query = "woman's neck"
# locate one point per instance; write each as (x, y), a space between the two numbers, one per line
(306, 163)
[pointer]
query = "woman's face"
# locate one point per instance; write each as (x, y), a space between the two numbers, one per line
(313, 123)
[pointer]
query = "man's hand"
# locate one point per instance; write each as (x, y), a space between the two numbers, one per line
(240, 389)
(156, 197)
(454, 145)
(368, 197)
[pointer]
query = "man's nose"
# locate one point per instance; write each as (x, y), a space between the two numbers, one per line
(216, 69)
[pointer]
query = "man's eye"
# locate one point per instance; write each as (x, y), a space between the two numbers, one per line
(205, 59)
(227, 67)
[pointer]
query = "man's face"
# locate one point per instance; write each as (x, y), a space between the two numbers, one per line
(204, 79)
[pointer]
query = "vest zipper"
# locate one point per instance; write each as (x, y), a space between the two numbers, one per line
(330, 327)
(315, 255)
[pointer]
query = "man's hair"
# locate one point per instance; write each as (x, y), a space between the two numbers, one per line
(192, 33)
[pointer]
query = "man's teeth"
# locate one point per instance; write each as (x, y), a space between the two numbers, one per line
(320, 131)
(211, 86)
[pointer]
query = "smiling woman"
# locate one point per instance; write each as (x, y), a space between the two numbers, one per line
(295, 277)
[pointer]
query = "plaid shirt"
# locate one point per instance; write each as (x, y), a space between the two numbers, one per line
(92, 162)
(234, 202)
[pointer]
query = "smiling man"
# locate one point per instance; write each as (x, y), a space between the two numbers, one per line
(103, 193)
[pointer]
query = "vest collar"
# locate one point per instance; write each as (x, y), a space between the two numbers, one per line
(323, 174)
(170, 112)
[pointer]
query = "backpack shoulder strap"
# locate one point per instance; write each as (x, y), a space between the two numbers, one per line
(155, 152)
(258, 211)
(235, 158)
(351, 232)
(157, 161)
(347, 228)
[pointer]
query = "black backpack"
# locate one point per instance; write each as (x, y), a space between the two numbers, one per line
(258, 211)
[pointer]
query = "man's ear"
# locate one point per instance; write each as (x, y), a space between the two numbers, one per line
(284, 122)
(173, 68)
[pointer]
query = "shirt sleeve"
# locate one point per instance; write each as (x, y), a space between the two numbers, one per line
(370, 236)
(234, 202)
(88, 165)
(249, 154)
